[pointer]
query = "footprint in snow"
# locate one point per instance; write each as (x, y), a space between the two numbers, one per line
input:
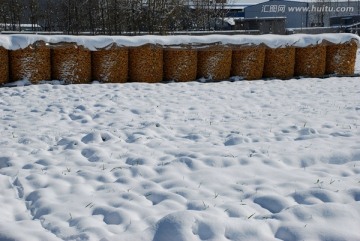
(307, 133)
(96, 137)
(111, 217)
(272, 203)
(233, 140)
(4, 162)
(91, 154)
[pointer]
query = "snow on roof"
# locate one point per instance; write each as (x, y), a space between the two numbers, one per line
(20, 41)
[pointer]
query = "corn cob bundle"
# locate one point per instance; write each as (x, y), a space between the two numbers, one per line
(279, 63)
(110, 65)
(146, 63)
(214, 62)
(32, 63)
(71, 63)
(248, 62)
(180, 64)
(340, 58)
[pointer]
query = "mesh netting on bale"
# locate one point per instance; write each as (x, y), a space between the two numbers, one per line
(146, 63)
(32, 63)
(110, 65)
(214, 62)
(340, 58)
(248, 62)
(71, 63)
(4, 65)
(310, 61)
(180, 64)
(279, 63)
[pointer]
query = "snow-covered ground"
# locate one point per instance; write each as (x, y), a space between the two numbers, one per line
(247, 160)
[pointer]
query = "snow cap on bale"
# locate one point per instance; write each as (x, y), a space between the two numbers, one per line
(4, 65)
(214, 62)
(180, 63)
(71, 63)
(279, 63)
(248, 61)
(110, 65)
(310, 61)
(32, 63)
(93, 43)
(146, 63)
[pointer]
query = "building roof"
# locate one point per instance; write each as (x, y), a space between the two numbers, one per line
(241, 4)
(254, 2)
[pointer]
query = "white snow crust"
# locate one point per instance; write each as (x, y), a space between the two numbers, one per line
(20, 41)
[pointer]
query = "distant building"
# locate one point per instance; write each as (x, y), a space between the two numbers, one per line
(275, 25)
(298, 14)
(349, 24)
(343, 21)
(20, 27)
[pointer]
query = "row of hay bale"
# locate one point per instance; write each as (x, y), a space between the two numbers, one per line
(154, 63)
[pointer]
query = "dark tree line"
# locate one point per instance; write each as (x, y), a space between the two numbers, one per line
(112, 17)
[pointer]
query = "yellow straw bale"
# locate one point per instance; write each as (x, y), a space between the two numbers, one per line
(32, 63)
(214, 62)
(180, 64)
(248, 62)
(110, 65)
(340, 58)
(4, 65)
(146, 63)
(310, 61)
(279, 63)
(71, 63)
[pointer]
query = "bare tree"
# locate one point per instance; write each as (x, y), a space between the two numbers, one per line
(4, 13)
(92, 10)
(113, 16)
(32, 8)
(50, 17)
(15, 8)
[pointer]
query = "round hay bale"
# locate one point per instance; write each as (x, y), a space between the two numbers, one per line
(180, 64)
(32, 63)
(341, 58)
(110, 65)
(248, 62)
(214, 62)
(279, 63)
(146, 63)
(310, 61)
(4, 65)
(71, 63)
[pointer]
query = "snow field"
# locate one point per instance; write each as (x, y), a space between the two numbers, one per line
(259, 160)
